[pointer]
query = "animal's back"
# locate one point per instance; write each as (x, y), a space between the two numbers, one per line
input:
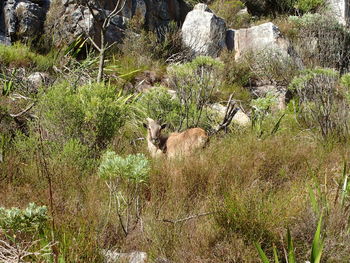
(186, 142)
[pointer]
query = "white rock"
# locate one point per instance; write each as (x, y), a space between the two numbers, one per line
(340, 9)
(241, 118)
(258, 38)
(204, 32)
(38, 79)
(133, 257)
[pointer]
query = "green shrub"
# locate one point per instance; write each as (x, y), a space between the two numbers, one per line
(134, 168)
(195, 83)
(322, 103)
(91, 113)
(124, 178)
(19, 55)
(317, 35)
(309, 5)
(159, 104)
(32, 218)
(228, 11)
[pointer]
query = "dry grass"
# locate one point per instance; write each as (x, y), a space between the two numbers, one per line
(253, 189)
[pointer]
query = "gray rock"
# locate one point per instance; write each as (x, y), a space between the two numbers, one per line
(204, 32)
(280, 93)
(38, 79)
(258, 38)
(230, 39)
(340, 9)
(30, 19)
(115, 257)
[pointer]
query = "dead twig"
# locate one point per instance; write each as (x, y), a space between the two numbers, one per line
(175, 221)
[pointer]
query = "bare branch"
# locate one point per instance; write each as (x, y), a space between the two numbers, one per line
(23, 111)
(175, 221)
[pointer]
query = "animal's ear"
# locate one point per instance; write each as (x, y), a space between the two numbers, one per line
(145, 125)
(164, 126)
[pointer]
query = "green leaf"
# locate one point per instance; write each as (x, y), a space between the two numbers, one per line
(277, 125)
(317, 244)
(262, 254)
(291, 254)
(313, 200)
(275, 254)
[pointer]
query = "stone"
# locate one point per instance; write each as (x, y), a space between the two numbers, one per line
(258, 38)
(340, 9)
(133, 257)
(230, 39)
(203, 32)
(30, 20)
(38, 79)
(241, 118)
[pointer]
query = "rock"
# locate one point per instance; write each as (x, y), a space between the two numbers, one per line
(161, 12)
(30, 20)
(38, 79)
(230, 39)
(340, 9)
(133, 257)
(204, 32)
(241, 118)
(258, 38)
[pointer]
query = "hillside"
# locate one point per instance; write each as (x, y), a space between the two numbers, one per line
(174, 131)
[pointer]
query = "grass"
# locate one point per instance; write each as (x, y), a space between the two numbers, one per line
(20, 55)
(254, 189)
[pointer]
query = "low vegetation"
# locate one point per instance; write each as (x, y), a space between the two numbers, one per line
(76, 178)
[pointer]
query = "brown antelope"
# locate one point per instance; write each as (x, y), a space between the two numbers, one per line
(175, 144)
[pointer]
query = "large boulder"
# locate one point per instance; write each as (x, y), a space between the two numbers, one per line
(340, 9)
(204, 32)
(259, 38)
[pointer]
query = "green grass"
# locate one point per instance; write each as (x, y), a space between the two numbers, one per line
(19, 55)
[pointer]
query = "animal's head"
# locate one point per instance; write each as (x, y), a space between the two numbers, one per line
(154, 130)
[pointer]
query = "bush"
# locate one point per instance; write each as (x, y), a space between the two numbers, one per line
(269, 7)
(124, 178)
(309, 5)
(91, 113)
(322, 102)
(195, 83)
(33, 218)
(228, 11)
(318, 35)
(20, 55)
(159, 104)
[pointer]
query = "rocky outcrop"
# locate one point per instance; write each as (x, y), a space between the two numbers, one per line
(204, 32)
(340, 9)
(258, 38)
(23, 19)
(67, 19)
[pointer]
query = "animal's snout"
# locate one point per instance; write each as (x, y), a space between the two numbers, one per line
(155, 141)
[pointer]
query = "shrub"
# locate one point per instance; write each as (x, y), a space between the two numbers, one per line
(32, 218)
(124, 177)
(195, 83)
(92, 113)
(160, 105)
(20, 55)
(273, 67)
(322, 103)
(309, 5)
(318, 35)
(228, 11)
(269, 7)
